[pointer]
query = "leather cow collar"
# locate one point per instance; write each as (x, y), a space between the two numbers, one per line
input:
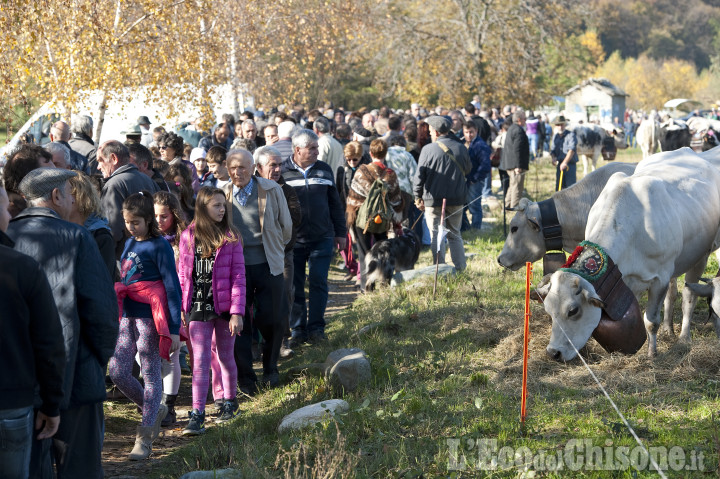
(550, 225)
(552, 234)
(621, 327)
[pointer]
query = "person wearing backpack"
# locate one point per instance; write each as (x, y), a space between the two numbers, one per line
(374, 203)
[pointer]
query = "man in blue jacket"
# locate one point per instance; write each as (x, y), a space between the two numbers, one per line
(479, 152)
(322, 229)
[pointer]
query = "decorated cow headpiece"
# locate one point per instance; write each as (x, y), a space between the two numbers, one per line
(621, 326)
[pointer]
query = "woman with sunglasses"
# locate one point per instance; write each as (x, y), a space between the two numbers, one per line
(354, 157)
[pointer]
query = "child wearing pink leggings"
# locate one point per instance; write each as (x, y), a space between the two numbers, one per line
(150, 319)
(211, 268)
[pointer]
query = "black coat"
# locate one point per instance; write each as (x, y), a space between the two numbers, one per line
(516, 151)
(84, 296)
(438, 177)
(31, 345)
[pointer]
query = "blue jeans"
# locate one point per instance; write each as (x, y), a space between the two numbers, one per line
(16, 429)
(487, 186)
(475, 208)
(317, 256)
(413, 214)
(534, 140)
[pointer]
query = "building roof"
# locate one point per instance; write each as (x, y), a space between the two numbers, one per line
(602, 84)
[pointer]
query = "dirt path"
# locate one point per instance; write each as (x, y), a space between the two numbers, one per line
(121, 416)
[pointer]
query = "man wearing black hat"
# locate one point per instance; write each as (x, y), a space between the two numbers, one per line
(87, 305)
(144, 124)
(441, 172)
(564, 154)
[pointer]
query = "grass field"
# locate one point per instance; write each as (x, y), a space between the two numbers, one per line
(447, 383)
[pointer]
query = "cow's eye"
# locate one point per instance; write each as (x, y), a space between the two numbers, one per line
(579, 290)
(573, 312)
(513, 229)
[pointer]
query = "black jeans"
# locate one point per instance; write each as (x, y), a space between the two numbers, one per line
(266, 293)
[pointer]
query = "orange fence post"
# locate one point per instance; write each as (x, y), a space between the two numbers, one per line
(526, 344)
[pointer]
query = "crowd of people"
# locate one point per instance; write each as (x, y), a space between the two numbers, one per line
(134, 256)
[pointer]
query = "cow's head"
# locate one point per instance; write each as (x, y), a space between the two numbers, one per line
(709, 140)
(575, 308)
(525, 241)
(619, 138)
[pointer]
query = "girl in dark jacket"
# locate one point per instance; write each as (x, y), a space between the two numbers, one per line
(150, 321)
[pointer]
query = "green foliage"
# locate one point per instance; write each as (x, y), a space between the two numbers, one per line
(660, 29)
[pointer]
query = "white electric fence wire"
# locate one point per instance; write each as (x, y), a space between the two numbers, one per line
(617, 410)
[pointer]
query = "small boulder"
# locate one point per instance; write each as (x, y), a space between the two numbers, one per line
(349, 372)
(428, 271)
(313, 413)
(338, 354)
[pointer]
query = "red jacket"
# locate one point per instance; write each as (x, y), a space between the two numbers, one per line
(228, 276)
(152, 293)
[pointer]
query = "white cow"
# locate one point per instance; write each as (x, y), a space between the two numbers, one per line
(701, 124)
(660, 222)
(526, 241)
(648, 136)
(591, 140)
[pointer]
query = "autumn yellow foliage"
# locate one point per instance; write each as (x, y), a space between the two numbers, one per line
(650, 83)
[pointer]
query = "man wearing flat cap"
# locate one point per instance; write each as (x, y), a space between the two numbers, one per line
(441, 171)
(87, 306)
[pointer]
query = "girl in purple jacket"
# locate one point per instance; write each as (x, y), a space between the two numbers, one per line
(211, 268)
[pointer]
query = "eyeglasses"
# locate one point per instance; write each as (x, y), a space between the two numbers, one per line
(353, 159)
(163, 147)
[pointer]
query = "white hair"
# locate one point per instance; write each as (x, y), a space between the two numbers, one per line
(238, 152)
(304, 138)
(264, 153)
(82, 124)
(286, 129)
(57, 147)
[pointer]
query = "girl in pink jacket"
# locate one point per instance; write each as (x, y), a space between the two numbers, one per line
(211, 268)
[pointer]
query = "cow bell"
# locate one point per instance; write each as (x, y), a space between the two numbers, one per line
(609, 150)
(552, 262)
(626, 335)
